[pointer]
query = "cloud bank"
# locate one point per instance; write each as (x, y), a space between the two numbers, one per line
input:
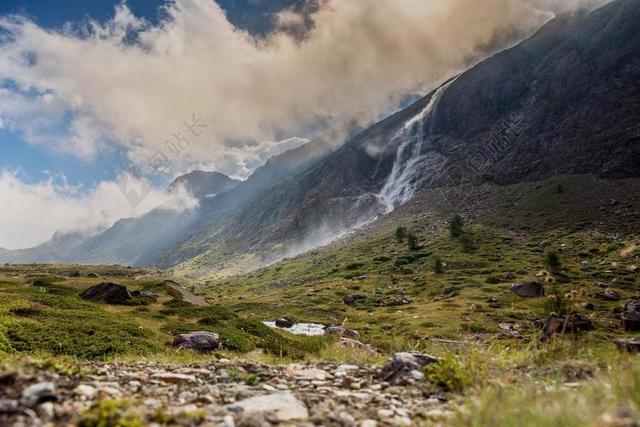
(142, 87)
(32, 212)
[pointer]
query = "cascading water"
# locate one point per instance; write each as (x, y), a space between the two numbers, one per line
(404, 178)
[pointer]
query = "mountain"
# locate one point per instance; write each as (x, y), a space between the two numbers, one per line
(58, 249)
(203, 185)
(564, 101)
(145, 240)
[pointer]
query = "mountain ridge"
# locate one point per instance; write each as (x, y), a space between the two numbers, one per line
(550, 105)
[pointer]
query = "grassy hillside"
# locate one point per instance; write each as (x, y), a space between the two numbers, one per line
(591, 224)
(434, 276)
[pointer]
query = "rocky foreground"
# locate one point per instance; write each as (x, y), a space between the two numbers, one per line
(223, 393)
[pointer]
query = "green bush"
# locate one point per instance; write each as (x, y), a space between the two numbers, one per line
(412, 242)
(553, 262)
(401, 234)
(448, 374)
(354, 266)
(234, 339)
(468, 242)
(438, 266)
(456, 226)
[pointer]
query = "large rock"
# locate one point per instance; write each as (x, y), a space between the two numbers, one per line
(528, 289)
(39, 393)
(571, 324)
(404, 368)
(353, 299)
(607, 295)
(628, 346)
(341, 331)
(277, 407)
(630, 317)
(200, 341)
(284, 323)
(110, 293)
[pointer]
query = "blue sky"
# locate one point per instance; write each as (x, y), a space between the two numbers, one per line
(52, 14)
(35, 163)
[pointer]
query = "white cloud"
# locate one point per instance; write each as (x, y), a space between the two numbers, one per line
(357, 63)
(32, 212)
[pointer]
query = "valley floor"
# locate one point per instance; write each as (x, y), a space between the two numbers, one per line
(445, 292)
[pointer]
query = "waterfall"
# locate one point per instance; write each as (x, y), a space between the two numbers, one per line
(412, 136)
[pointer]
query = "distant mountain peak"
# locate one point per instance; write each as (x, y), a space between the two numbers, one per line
(204, 184)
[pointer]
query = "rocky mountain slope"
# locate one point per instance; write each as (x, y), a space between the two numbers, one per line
(204, 185)
(563, 102)
(59, 248)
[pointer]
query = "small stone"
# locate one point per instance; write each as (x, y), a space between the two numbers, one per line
(46, 411)
(85, 390)
(280, 407)
(228, 421)
(306, 373)
(385, 413)
(39, 393)
(171, 378)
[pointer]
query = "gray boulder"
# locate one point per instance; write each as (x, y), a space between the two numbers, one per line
(110, 293)
(341, 331)
(39, 393)
(528, 289)
(628, 346)
(201, 341)
(630, 317)
(607, 295)
(571, 324)
(284, 323)
(405, 368)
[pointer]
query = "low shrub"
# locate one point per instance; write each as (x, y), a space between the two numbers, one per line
(448, 374)
(91, 334)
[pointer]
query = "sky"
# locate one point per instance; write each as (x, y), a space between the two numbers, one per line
(97, 95)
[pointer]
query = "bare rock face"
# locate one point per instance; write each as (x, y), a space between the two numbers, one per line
(571, 324)
(200, 341)
(110, 293)
(528, 289)
(404, 368)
